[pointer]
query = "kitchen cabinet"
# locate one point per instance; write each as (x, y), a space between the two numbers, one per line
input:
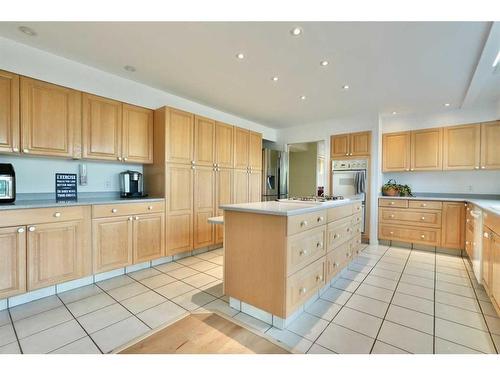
(396, 152)
(12, 261)
(51, 119)
(179, 193)
(137, 131)
(148, 241)
(112, 243)
(204, 206)
(241, 148)
(255, 151)
(426, 150)
(223, 195)
(179, 136)
(224, 145)
(204, 141)
(240, 190)
(490, 141)
(254, 186)
(453, 225)
(461, 147)
(9, 112)
(351, 144)
(102, 128)
(495, 269)
(487, 260)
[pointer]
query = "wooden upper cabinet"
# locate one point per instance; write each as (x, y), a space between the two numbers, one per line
(339, 145)
(179, 136)
(9, 112)
(427, 150)
(224, 145)
(241, 147)
(360, 144)
(51, 119)
(137, 130)
(396, 152)
(453, 225)
(148, 237)
(13, 261)
(490, 145)
(102, 128)
(255, 150)
(204, 141)
(461, 147)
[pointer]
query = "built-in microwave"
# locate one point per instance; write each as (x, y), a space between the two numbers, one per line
(7, 183)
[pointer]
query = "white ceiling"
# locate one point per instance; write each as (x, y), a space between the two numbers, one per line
(406, 67)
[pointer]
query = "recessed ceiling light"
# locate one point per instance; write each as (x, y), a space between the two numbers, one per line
(240, 56)
(345, 87)
(27, 30)
(394, 113)
(324, 63)
(296, 31)
(497, 60)
(275, 78)
(129, 68)
(446, 104)
(303, 97)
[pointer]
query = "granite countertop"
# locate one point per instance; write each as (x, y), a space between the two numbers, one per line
(285, 208)
(43, 200)
(489, 202)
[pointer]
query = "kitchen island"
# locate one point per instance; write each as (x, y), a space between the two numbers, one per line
(279, 255)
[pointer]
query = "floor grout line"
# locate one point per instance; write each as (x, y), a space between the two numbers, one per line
(434, 308)
(15, 331)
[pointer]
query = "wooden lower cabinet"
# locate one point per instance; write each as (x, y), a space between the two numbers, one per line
(204, 206)
(495, 270)
(305, 247)
(223, 195)
(453, 226)
(254, 186)
(303, 284)
(425, 236)
(12, 261)
(240, 186)
(57, 252)
(148, 237)
(487, 258)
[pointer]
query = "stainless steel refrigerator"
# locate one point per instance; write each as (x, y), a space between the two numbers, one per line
(274, 174)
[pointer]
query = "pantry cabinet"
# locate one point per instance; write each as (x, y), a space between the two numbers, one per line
(241, 148)
(490, 141)
(426, 150)
(223, 195)
(254, 186)
(461, 147)
(241, 188)
(204, 141)
(351, 144)
(137, 131)
(179, 136)
(50, 119)
(396, 152)
(224, 145)
(13, 261)
(255, 150)
(204, 206)
(9, 112)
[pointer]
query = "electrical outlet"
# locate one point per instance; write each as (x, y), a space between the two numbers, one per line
(107, 184)
(469, 188)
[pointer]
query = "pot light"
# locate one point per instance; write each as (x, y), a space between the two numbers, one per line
(446, 104)
(129, 68)
(27, 30)
(324, 63)
(275, 78)
(497, 60)
(345, 87)
(240, 56)
(394, 113)
(296, 31)
(303, 97)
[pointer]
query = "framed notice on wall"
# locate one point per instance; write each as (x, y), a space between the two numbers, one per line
(66, 187)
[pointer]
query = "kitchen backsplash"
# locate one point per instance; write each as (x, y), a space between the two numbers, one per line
(469, 182)
(37, 175)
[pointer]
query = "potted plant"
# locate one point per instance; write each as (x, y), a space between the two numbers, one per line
(393, 189)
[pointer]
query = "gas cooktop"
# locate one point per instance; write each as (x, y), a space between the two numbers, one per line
(325, 198)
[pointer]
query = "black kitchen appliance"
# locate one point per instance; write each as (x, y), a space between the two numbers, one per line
(7, 183)
(132, 185)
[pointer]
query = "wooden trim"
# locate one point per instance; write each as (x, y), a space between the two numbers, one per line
(13, 124)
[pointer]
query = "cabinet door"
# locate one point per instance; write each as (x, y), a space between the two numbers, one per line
(57, 252)
(112, 243)
(148, 237)
(204, 206)
(204, 141)
(426, 150)
(51, 119)
(224, 145)
(461, 147)
(359, 144)
(453, 225)
(490, 140)
(240, 190)
(102, 128)
(12, 261)
(223, 195)
(254, 186)
(179, 208)
(396, 152)
(137, 134)
(339, 145)
(179, 135)
(495, 269)
(241, 147)
(255, 151)
(487, 258)
(9, 112)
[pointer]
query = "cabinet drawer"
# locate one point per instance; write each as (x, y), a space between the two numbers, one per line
(303, 284)
(42, 215)
(338, 232)
(429, 205)
(122, 209)
(402, 203)
(492, 221)
(397, 216)
(356, 219)
(426, 236)
(355, 244)
(336, 213)
(304, 248)
(300, 223)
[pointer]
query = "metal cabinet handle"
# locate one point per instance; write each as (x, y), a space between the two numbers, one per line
(422, 218)
(422, 236)
(407, 169)
(25, 150)
(150, 208)
(136, 218)
(391, 233)
(57, 214)
(193, 167)
(423, 205)
(302, 290)
(319, 278)
(483, 167)
(31, 229)
(391, 216)
(303, 252)
(320, 219)
(303, 223)
(114, 210)
(392, 203)
(411, 169)
(15, 149)
(485, 235)
(192, 162)
(319, 244)
(119, 158)
(20, 230)
(125, 159)
(476, 167)
(215, 164)
(130, 218)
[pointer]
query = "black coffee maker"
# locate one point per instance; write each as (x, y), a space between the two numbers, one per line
(132, 185)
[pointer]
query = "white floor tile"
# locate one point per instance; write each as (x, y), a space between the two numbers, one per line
(221, 306)
(251, 322)
(7, 334)
(419, 272)
(143, 302)
(463, 335)
(47, 319)
(416, 280)
(448, 347)
(12, 348)
(345, 284)
(380, 272)
(308, 326)
(203, 266)
(115, 282)
(411, 318)
(82, 346)
(375, 292)
(79, 293)
(162, 314)
(216, 272)
(104, 317)
(90, 304)
(344, 341)
(144, 274)
(415, 290)
(4, 317)
(290, 340)
(463, 281)
(193, 299)
(458, 315)
(199, 280)
(323, 309)
(158, 281)
(118, 334)
(358, 321)
(188, 261)
(168, 267)
(182, 273)
(53, 338)
(318, 349)
(35, 307)
(127, 291)
(414, 303)
(457, 301)
(368, 305)
(337, 296)
(215, 288)
(381, 282)
(406, 338)
(383, 348)
(455, 289)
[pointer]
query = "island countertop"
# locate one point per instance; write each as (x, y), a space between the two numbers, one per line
(285, 208)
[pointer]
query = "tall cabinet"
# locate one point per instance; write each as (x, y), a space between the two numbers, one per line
(200, 164)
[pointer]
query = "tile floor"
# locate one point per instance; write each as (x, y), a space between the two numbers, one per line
(388, 300)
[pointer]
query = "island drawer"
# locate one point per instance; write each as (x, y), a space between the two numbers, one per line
(426, 236)
(397, 216)
(402, 203)
(122, 209)
(356, 246)
(303, 284)
(41, 215)
(428, 205)
(304, 248)
(337, 213)
(356, 219)
(301, 223)
(338, 232)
